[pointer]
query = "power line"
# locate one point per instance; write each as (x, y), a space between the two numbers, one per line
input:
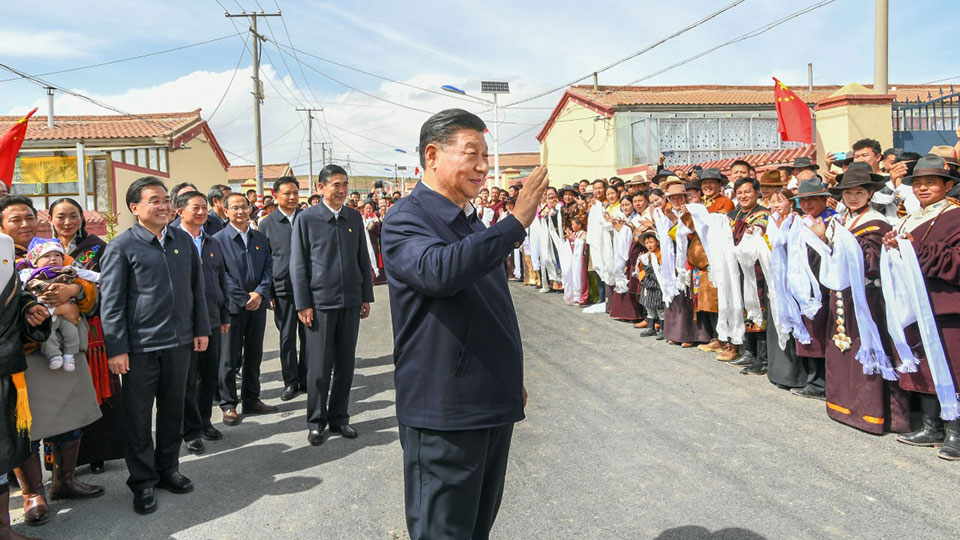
(753, 33)
(127, 59)
(633, 55)
(943, 80)
(229, 84)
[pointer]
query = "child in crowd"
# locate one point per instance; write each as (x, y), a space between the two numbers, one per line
(576, 288)
(651, 297)
(42, 267)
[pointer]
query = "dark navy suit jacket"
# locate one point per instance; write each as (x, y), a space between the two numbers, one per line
(457, 351)
(279, 229)
(249, 269)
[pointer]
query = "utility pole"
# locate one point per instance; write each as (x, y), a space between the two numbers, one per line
(257, 92)
(310, 137)
(881, 21)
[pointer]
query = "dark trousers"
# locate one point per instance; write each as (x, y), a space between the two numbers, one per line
(331, 357)
(243, 347)
(817, 373)
(710, 320)
(202, 381)
(292, 366)
(453, 480)
(161, 376)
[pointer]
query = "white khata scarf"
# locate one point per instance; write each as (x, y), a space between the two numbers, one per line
(534, 237)
(785, 313)
(841, 269)
(801, 282)
(724, 270)
(751, 248)
(622, 240)
(907, 299)
(668, 269)
(683, 241)
(573, 271)
(373, 260)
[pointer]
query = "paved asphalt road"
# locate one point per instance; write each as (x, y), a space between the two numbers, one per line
(625, 438)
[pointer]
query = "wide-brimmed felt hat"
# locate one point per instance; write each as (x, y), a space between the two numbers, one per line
(647, 234)
(571, 189)
(857, 176)
(692, 184)
(714, 174)
(803, 162)
(846, 161)
(930, 165)
(772, 178)
(662, 174)
(948, 154)
(811, 187)
(673, 186)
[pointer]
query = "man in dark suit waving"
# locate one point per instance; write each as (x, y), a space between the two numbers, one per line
(459, 361)
(249, 277)
(332, 290)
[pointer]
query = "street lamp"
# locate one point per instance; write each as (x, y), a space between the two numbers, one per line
(489, 87)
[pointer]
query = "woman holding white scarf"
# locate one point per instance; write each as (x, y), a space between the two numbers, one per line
(933, 232)
(864, 401)
(625, 306)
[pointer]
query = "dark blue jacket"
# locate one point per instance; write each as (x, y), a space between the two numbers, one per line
(278, 230)
(457, 351)
(329, 263)
(249, 269)
(151, 296)
(214, 281)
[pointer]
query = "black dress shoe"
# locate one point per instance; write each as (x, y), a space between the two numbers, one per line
(744, 360)
(144, 501)
(97, 467)
(211, 433)
(808, 393)
(196, 446)
(315, 437)
(345, 431)
(289, 392)
(174, 482)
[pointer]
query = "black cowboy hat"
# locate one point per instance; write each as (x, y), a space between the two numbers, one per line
(930, 165)
(803, 162)
(693, 184)
(571, 189)
(663, 173)
(857, 175)
(811, 187)
(714, 174)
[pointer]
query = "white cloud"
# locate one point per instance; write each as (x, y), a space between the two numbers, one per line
(43, 44)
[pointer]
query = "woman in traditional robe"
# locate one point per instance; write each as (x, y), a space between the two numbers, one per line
(784, 369)
(625, 306)
(102, 440)
(866, 402)
(680, 325)
(551, 238)
(576, 288)
(372, 223)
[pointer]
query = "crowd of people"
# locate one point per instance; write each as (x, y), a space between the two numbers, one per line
(838, 284)
(171, 314)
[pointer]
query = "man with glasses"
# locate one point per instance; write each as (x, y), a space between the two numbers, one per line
(249, 267)
(154, 315)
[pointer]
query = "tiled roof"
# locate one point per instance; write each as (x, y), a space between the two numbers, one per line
(712, 94)
(762, 162)
(242, 173)
(154, 125)
(517, 159)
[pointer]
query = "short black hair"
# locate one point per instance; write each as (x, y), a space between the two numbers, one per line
(398, 193)
(314, 197)
(655, 191)
(216, 192)
(584, 180)
(742, 163)
(441, 128)
(284, 180)
(911, 159)
(747, 180)
(135, 191)
(892, 152)
(352, 193)
(226, 200)
(328, 171)
(868, 143)
(181, 185)
(600, 181)
(13, 200)
(184, 198)
(249, 191)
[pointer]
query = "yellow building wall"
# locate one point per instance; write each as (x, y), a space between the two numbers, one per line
(197, 164)
(839, 127)
(123, 179)
(579, 146)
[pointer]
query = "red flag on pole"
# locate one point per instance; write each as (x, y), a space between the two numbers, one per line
(793, 115)
(10, 147)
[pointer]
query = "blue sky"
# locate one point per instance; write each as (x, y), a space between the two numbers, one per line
(533, 45)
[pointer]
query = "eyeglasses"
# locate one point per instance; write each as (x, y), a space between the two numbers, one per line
(239, 208)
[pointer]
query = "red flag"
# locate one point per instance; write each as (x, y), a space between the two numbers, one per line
(793, 115)
(10, 147)
(416, 171)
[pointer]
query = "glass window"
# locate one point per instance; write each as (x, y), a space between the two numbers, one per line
(765, 135)
(673, 134)
(163, 159)
(641, 151)
(130, 157)
(154, 159)
(116, 155)
(141, 157)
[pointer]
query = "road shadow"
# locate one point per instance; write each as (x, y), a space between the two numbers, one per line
(232, 474)
(696, 532)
